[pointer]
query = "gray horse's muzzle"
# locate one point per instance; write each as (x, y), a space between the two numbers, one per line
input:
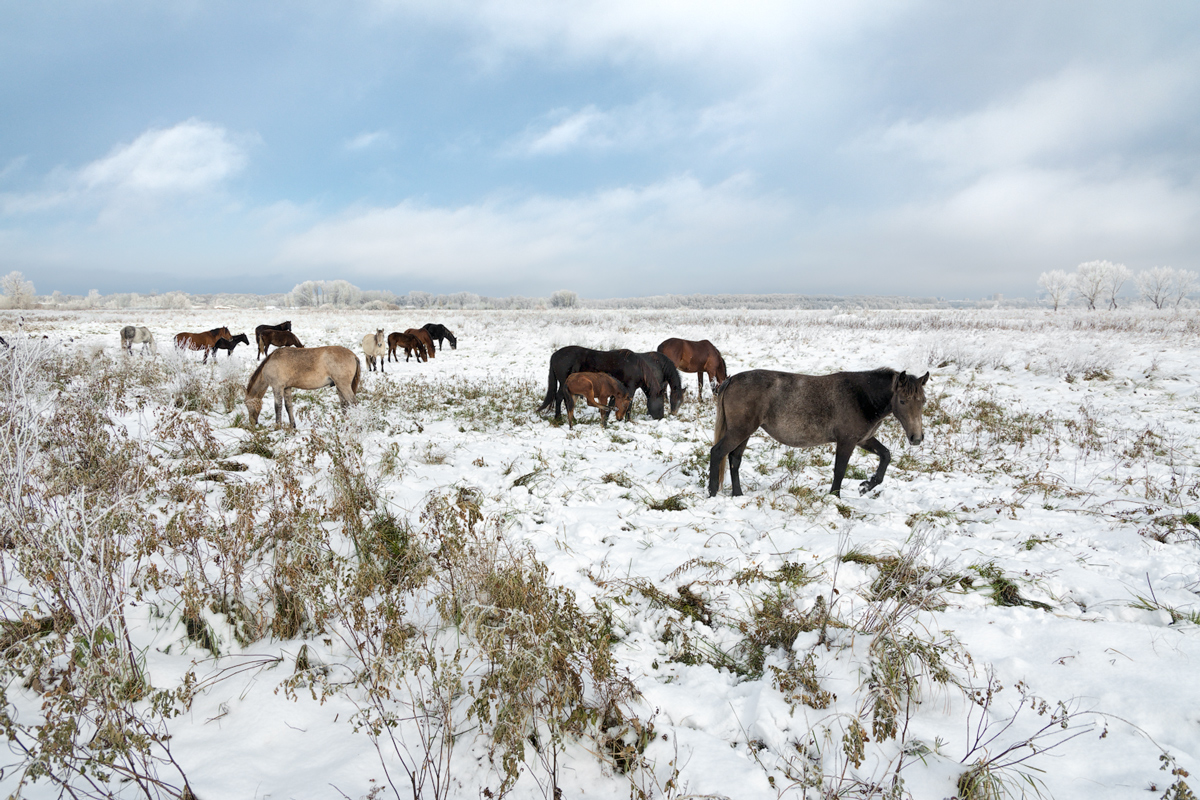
(916, 438)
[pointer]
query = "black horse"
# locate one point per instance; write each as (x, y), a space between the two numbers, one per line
(228, 344)
(845, 408)
(668, 375)
(624, 365)
(439, 332)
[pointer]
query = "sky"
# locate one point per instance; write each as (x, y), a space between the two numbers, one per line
(617, 149)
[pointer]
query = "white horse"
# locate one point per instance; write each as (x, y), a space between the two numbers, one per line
(374, 346)
(131, 336)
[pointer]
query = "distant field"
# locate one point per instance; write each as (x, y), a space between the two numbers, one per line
(441, 589)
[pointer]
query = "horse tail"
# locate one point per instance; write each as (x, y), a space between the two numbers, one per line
(719, 430)
(354, 382)
(551, 391)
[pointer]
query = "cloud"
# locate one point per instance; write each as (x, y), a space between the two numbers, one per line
(365, 141)
(625, 237)
(191, 158)
(1078, 113)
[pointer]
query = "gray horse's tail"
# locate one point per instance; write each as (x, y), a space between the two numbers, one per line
(719, 430)
(354, 382)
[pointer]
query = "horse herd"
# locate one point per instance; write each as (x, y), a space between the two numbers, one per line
(845, 409)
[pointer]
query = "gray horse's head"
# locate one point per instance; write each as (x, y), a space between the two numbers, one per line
(908, 403)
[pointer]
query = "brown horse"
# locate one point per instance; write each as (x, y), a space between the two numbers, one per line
(205, 341)
(269, 337)
(258, 335)
(410, 343)
(308, 368)
(372, 345)
(845, 408)
(599, 390)
(702, 358)
(425, 339)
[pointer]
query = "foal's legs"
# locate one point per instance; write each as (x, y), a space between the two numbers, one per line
(875, 446)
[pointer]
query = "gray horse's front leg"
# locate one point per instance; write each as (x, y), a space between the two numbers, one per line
(875, 446)
(841, 459)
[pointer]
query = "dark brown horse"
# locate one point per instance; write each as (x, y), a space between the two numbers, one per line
(274, 337)
(410, 343)
(258, 335)
(308, 368)
(600, 391)
(440, 332)
(205, 341)
(845, 408)
(425, 339)
(702, 358)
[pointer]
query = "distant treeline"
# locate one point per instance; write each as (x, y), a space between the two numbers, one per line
(343, 294)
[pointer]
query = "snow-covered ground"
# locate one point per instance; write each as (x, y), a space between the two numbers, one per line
(1060, 472)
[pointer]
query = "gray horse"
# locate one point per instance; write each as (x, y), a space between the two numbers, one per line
(131, 336)
(845, 408)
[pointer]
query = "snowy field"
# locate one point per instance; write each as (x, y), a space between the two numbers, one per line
(443, 589)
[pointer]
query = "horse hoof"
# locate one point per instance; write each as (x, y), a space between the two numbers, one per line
(866, 486)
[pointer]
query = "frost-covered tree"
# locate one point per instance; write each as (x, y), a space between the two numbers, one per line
(418, 299)
(304, 294)
(1090, 279)
(342, 294)
(564, 299)
(1154, 285)
(1114, 279)
(18, 292)
(1183, 284)
(1057, 285)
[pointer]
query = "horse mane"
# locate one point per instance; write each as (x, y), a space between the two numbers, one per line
(216, 331)
(257, 372)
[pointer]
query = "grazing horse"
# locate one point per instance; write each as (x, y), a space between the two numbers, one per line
(845, 408)
(131, 336)
(664, 368)
(277, 338)
(599, 390)
(625, 365)
(202, 341)
(440, 332)
(702, 358)
(425, 339)
(258, 335)
(410, 344)
(372, 345)
(229, 344)
(308, 368)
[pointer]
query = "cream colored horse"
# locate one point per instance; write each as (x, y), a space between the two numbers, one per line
(307, 368)
(374, 346)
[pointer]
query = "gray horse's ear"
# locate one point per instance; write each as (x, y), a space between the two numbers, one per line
(924, 378)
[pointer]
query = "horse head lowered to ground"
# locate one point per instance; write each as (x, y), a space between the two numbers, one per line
(625, 365)
(205, 341)
(845, 408)
(702, 358)
(307, 368)
(440, 332)
(601, 391)
(139, 335)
